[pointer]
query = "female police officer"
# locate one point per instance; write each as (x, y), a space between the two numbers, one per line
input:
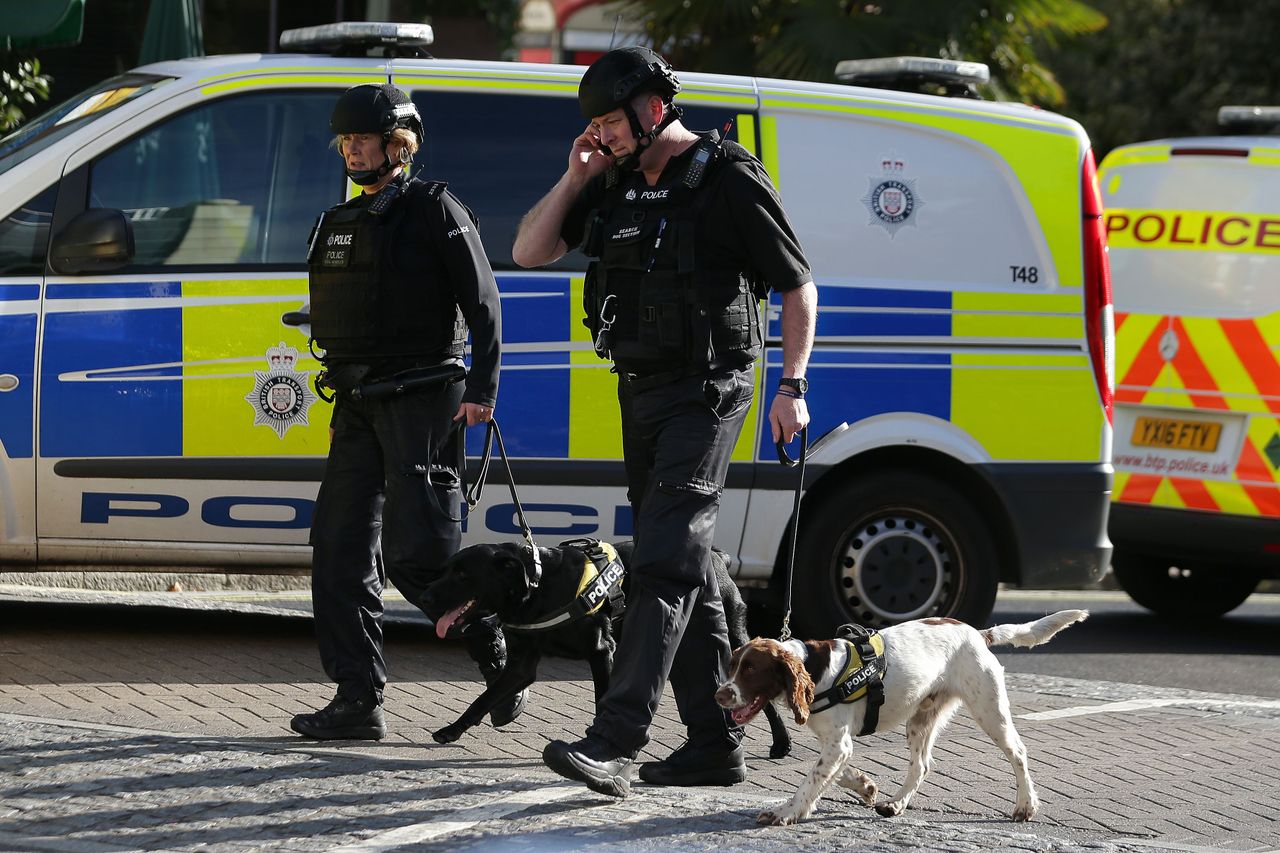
(687, 229)
(398, 274)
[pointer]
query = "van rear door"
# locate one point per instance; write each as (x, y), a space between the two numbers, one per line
(1194, 233)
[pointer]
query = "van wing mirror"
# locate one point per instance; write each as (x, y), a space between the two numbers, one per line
(99, 239)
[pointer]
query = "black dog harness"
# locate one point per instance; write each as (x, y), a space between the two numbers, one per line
(601, 584)
(863, 676)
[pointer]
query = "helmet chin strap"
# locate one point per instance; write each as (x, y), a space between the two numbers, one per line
(631, 162)
(365, 177)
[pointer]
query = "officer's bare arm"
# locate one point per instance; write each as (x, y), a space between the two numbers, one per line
(799, 320)
(788, 414)
(538, 241)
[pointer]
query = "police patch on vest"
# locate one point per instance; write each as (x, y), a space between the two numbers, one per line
(337, 249)
(892, 197)
(281, 396)
(648, 195)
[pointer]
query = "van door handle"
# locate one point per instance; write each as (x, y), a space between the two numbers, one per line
(8, 382)
(296, 318)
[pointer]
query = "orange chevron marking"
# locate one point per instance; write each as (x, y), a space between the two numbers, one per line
(1252, 466)
(1147, 364)
(1193, 371)
(1141, 488)
(1266, 499)
(1194, 494)
(1256, 357)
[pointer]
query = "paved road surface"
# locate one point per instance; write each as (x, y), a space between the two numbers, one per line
(129, 728)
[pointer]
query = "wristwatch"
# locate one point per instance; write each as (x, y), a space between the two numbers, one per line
(798, 384)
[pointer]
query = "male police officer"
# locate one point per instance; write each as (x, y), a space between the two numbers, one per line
(394, 272)
(687, 228)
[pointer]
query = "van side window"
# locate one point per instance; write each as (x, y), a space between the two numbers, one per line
(502, 174)
(24, 235)
(237, 182)
(499, 174)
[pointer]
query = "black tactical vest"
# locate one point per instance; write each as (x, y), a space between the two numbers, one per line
(652, 304)
(362, 305)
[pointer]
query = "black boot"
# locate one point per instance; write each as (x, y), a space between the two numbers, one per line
(719, 763)
(488, 648)
(601, 766)
(343, 718)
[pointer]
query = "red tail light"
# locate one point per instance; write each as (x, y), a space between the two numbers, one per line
(1099, 316)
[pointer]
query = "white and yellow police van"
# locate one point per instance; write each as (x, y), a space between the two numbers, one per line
(1194, 229)
(156, 406)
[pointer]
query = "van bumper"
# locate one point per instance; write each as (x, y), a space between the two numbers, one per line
(1058, 515)
(1242, 541)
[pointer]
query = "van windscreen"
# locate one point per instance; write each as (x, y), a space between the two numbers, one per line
(57, 122)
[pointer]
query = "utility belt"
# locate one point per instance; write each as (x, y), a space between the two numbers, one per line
(638, 382)
(351, 381)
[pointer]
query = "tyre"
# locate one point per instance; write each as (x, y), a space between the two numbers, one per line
(1192, 589)
(891, 547)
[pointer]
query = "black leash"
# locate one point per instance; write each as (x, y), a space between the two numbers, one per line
(472, 496)
(795, 527)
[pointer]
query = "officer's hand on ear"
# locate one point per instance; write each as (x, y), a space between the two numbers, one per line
(586, 160)
(474, 413)
(787, 416)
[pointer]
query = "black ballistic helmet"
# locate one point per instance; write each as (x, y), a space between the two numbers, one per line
(615, 79)
(374, 108)
(618, 76)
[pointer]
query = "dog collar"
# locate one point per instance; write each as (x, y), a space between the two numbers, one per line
(601, 582)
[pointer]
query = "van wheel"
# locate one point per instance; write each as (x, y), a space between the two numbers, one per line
(891, 547)
(1189, 589)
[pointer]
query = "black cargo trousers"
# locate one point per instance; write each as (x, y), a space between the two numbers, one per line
(677, 440)
(385, 454)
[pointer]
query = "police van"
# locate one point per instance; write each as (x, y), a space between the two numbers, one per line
(1194, 229)
(156, 399)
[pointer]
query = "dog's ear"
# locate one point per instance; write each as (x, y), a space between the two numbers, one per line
(799, 686)
(510, 565)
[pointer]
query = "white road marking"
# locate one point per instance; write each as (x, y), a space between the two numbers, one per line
(1144, 705)
(1183, 848)
(462, 819)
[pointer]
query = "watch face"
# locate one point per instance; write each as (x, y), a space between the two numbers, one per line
(801, 385)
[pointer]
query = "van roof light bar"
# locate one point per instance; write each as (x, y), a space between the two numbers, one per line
(958, 78)
(360, 38)
(1241, 119)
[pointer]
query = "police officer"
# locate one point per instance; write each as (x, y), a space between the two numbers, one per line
(398, 274)
(689, 233)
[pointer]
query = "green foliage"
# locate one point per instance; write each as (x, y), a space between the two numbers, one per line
(1163, 67)
(501, 15)
(21, 85)
(804, 39)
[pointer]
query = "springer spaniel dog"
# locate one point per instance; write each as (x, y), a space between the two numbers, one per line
(931, 665)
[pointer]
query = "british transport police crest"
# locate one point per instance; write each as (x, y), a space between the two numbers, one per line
(280, 397)
(892, 198)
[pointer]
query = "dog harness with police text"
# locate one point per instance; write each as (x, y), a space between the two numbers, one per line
(601, 582)
(862, 678)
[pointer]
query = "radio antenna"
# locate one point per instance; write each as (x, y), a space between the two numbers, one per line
(614, 38)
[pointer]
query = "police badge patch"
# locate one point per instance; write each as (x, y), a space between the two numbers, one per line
(892, 197)
(280, 397)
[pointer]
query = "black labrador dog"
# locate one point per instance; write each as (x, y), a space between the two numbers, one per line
(484, 579)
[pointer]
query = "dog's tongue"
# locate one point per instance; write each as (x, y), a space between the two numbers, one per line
(442, 625)
(743, 715)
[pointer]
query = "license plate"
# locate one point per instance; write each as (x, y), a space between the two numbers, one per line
(1176, 434)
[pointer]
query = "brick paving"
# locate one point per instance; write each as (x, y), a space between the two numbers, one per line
(140, 729)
